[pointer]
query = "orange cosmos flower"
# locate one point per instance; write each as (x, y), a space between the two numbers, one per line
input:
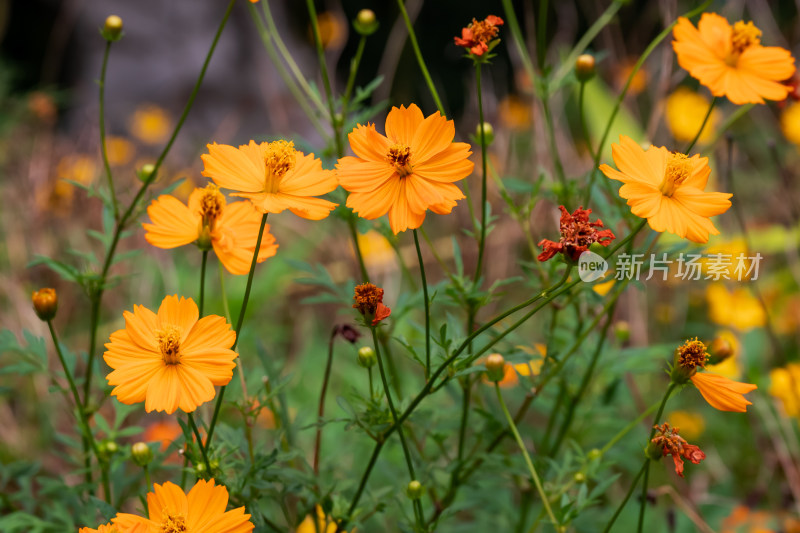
(730, 60)
(171, 359)
(406, 172)
(105, 528)
(723, 393)
(231, 229)
(274, 176)
(668, 442)
(478, 36)
(369, 302)
(201, 510)
(667, 188)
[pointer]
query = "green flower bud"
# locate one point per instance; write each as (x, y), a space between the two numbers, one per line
(579, 477)
(622, 330)
(367, 357)
(141, 453)
(366, 23)
(495, 367)
(145, 174)
(112, 29)
(488, 132)
(414, 490)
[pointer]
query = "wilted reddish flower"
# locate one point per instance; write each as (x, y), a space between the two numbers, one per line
(369, 302)
(478, 34)
(670, 443)
(577, 234)
(794, 93)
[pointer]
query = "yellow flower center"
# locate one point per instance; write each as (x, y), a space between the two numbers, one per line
(211, 205)
(169, 342)
(174, 524)
(400, 157)
(745, 35)
(692, 354)
(679, 167)
(279, 159)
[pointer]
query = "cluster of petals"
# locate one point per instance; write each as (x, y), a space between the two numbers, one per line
(478, 34)
(577, 235)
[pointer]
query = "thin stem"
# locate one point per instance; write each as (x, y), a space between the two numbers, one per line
(702, 126)
(513, 24)
(569, 62)
(239, 323)
(351, 222)
(351, 79)
(541, 33)
(200, 442)
(652, 46)
(371, 389)
(203, 281)
(732, 118)
(97, 295)
(484, 210)
(551, 137)
(147, 477)
(103, 149)
(415, 45)
(582, 114)
(87, 432)
(427, 308)
(624, 431)
(521, 444)
(643, 503)
(627, 496)
(326, 82)
(387, 392)
(321, 406)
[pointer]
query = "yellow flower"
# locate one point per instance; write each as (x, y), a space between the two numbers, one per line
(667, 188)
(105, 528)
(691, 424)
(515, 113)
(172, 359)
(731, 61)
(120, 150)
(332, 30)
(325, 524)
(377, 251)
(274, 176)
(150, 124)
(685, 111)
(785, 386)
(203, 509)
(737, 309)
(790, 123)
(78, 167)
(729, 366)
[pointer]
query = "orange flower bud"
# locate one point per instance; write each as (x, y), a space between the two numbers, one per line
(45, 303)
(584, 67)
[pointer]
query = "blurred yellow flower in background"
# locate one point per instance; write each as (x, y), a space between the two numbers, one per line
(77, 167)
(324, 523)
(691, 424)
(685, 111)
(785, 386)
(150, 124)
(332, 30)
(639, 81)
(120, 150)
(515, 113)
(729, 364)
(511, 372)
(377, 251)
(790, 123)
(737, 309)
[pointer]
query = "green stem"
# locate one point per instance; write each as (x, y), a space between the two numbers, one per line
(582, 114)
(351, 222)
(147, 477)
(551, 137)
(484, 210)
(225, 308)
(652, 46)
(702, 126)
(541, 33)
(427, 308)
(643, 503)
(97, 295)
(415, 45)
(321, 407)
(200, 443)
(326, 82)
(624, 431)
(203, 281)
(645, 468)
(103, 149)
(569, 62)
(239, 323)
(531, 469)
(735, 116)
(291, 84)
(87, 432)
(395, 421)
(513, 24)
(351, 79)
